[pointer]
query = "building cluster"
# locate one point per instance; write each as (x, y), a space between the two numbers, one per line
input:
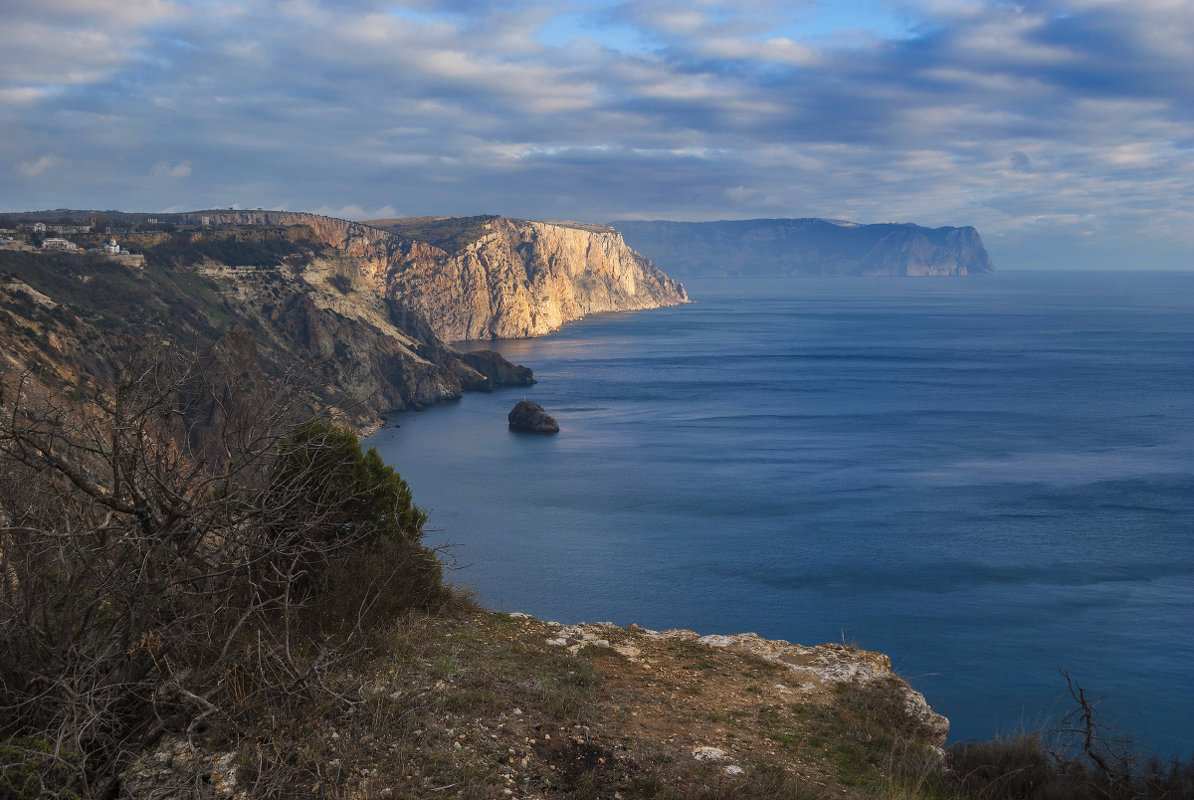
(41, 228)
(57, 243)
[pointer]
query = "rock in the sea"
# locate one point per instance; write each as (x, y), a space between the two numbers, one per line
(529, 416)
(498, 370)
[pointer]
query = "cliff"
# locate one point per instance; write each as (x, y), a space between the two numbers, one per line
(773, 247)
(276, 301)
(486, 277)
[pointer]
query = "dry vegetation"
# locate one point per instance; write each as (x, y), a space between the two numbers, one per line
(450, 234)
(472, 703)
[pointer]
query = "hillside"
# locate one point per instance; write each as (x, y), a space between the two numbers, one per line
(271, 301)
(485, 277)
(481, 705)
(775, 247)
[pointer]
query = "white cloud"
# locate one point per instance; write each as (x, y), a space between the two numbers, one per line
(21, 95)
(776, 50)
(164, 169)
(40, 166)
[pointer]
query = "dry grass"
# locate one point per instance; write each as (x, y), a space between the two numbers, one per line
(471, 703)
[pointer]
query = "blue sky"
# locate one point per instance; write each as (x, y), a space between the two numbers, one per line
(1062, 130)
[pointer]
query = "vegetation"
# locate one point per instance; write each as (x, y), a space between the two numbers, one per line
(235, 247)
(152, 580)
(121, 300)
(1078, 759)
(450, 234)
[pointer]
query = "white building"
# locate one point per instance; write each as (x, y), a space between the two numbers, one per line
(55, 243)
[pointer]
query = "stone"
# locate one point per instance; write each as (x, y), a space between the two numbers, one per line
(530, 417)
(709, 754)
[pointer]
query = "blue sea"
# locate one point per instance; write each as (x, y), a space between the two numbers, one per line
(989, 479)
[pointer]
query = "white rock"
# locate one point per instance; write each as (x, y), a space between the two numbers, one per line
(708, 754)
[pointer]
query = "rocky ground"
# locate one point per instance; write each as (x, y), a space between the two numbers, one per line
(479, 704)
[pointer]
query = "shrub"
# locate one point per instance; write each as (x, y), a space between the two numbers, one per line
(30, 770)
(177, 549)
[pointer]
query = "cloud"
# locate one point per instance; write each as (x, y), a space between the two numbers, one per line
(982, 112)
(21, 95)
(163, 169)
(46, 163)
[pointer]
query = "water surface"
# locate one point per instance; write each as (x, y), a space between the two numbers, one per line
(988, 479)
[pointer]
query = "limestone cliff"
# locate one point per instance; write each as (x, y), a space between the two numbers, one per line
(529, 278)
(506, 279)
(772, 247)
(266, 301)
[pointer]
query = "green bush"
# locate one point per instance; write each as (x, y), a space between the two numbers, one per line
(374, 501)
(30, 770)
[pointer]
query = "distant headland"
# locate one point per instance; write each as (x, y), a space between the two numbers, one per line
(777, 247)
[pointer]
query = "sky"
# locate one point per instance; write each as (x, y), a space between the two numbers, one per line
(1063, 129)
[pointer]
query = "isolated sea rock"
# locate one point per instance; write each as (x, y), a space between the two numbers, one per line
(530, 417)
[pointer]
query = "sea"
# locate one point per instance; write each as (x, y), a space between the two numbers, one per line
(989, 479)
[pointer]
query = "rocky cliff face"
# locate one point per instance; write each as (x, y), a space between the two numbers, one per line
(507, 279)
(365, 308)
(524, 278)
(771, 247)
(309, 313)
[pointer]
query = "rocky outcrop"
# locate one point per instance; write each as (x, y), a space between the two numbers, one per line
(506, 279)
(524, 278)
(497, 369)
(774, 247)
(529, 417)
(813, 668)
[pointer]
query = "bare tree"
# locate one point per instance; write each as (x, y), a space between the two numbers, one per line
(1082, 737)
(165, 548)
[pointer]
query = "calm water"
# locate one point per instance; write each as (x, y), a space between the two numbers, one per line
(988, 479)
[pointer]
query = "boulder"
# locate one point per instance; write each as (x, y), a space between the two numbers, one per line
(529, 416)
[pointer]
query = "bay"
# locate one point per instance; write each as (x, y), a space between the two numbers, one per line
(988, 479)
